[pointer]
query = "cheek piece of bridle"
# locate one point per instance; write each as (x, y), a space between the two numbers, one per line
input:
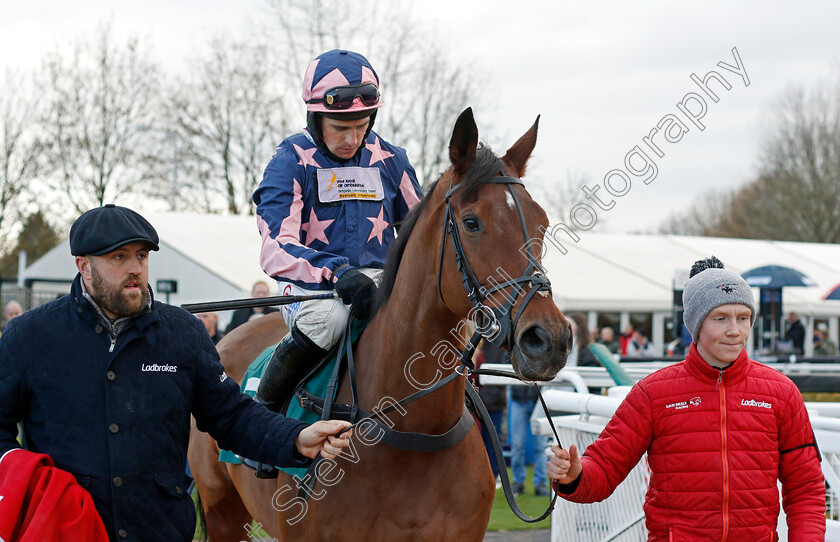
(494, 323)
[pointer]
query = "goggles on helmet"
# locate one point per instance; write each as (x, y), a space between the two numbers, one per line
(340, 98)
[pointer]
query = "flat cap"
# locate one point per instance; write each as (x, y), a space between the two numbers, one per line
(104, 229)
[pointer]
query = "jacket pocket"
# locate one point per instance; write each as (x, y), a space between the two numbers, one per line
(174, 483)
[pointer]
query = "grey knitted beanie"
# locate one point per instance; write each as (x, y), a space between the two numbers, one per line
(709, 286)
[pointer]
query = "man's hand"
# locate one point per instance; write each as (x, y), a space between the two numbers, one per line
(356, 289)
(564, 466)
(321, 437)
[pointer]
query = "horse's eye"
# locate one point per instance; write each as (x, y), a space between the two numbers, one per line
(472, 223)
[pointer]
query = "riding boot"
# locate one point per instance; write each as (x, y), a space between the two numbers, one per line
(287, 366)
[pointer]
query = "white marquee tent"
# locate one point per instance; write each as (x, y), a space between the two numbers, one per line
(216, 257)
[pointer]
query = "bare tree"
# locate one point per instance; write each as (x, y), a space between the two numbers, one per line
(228, 116)
(702, 217)
(796, 193)
(559, 198)
(96, 98)
(20, 150)
(424, 92)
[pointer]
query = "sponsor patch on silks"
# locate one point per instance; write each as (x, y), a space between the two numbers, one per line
(349, 183)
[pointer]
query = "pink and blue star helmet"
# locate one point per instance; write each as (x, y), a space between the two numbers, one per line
(340, 81)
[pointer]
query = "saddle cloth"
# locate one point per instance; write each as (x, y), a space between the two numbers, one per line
(316, 385)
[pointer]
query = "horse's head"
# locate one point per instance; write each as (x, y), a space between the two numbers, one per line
(489, 268)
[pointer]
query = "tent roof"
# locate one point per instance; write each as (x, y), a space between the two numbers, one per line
(637, 272)
(227, 245)
(603, 272)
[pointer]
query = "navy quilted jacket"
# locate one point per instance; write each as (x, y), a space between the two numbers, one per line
(118, 418)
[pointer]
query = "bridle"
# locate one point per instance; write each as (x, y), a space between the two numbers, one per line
(494, 324)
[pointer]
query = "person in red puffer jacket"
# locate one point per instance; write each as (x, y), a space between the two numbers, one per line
(40, 503)
(719, 429)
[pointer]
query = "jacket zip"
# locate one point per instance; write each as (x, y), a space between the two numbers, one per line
(724, 446)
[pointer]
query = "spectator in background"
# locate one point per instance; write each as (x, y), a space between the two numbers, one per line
(523, 400)
(211, 323)
(494, 398)
(626, 337)
(823, 346)
(240, 316)
(582, 339)
(795, 333)
(12, 310)
(639, 346)
(608, 340)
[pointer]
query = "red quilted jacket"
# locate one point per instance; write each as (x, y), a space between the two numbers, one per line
(716, 442)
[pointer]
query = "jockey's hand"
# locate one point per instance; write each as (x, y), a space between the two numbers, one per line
(564, 466)
(356, 289)
(321, 437)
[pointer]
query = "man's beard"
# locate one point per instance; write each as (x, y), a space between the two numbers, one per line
(115, 299)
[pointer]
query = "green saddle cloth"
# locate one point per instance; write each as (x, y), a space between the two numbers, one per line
(316, 385)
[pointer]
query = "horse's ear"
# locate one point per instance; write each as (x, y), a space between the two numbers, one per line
(517, 156)
(464, 142)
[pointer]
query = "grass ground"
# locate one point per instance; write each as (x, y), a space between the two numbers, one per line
(821, 397)
(501, 517)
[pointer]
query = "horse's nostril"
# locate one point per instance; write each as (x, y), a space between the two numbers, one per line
(534, 341)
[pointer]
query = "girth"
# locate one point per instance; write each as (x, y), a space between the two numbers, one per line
(402, 440)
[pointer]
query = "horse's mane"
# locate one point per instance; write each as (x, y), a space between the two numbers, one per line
(485, 166)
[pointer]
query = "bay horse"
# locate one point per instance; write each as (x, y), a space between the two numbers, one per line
(379, 492)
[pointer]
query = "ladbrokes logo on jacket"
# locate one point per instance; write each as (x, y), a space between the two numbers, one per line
(155, 368)
(754, 403)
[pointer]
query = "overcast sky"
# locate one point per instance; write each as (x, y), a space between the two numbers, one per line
(602, 75)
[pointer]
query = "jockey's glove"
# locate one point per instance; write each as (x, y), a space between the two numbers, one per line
(356, 289)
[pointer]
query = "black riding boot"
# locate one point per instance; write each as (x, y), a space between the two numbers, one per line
(287, 366)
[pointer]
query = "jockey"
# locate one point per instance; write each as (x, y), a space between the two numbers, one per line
(327, 209)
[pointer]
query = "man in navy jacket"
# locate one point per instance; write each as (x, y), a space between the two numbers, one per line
(105, 379)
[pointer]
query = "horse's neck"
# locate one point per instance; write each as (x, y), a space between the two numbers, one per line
(412, 344)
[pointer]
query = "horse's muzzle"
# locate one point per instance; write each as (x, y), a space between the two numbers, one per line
(539, 354)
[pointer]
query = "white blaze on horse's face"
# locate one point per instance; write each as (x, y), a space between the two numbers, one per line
(510, 202)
